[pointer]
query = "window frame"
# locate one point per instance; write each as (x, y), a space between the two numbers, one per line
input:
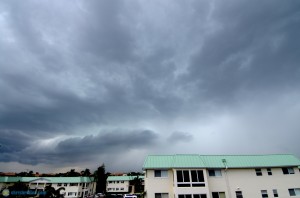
(296, 192)
(258, 172)
(186, 178)
(218, 194)
(160, 195)
(212, 172)
(162, 173)
(239, 194)
(264, 194)
(193, 195)
(288, 170)
(269, 170)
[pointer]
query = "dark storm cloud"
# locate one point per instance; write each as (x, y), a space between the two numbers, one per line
(253, 48)
(14, 141)
(74, 149)
(113, 141)
(70, 69)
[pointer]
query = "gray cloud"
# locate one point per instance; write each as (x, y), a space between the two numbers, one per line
(220, 71)
(70, 150)
(180, 137)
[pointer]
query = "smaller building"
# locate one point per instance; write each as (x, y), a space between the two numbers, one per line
(73, 186)
(120, 185)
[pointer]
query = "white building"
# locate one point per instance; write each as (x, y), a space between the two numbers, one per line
(222, 176)
(120, 184)
(74, 186)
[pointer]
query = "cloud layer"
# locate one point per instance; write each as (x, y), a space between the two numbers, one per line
(95, 82)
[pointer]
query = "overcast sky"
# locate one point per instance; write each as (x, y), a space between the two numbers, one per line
(89, 82)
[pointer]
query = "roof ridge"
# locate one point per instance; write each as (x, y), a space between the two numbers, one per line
(179, 154)
(244, 154)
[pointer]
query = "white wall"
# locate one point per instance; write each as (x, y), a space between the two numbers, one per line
(158, 185)
(233, 180)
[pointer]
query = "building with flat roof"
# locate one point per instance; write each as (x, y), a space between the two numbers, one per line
(120, 185)
(222, 176)
(74, 186)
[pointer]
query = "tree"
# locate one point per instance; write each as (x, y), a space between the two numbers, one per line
(86, 172)
(30, 173)
(52, 193)
(72, 173)
(100, 178)
(137, 183)
(18, 187)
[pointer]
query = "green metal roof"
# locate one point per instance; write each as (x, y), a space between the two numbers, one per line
(9, 179)
(219, 161)
(122, 178)
(182, 161)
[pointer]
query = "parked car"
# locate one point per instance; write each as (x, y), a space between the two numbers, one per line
(129, 196)
(99, 195)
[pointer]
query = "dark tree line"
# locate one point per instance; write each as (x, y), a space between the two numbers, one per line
(100, 178)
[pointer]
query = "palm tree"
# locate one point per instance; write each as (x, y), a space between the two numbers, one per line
(52, 193)
(137, 183)
(18, 186)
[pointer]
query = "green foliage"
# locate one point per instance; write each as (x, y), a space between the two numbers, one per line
(86, 172)
(137, 183)
(72, 173)
(18, 186)
(52, 193)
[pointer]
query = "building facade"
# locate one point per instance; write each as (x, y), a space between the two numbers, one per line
(120, 185)
(74, 186)
(222, 176)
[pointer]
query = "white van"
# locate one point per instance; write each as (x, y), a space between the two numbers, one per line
(129, 196)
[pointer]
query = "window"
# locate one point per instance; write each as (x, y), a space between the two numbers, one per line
(117, 188)
(122, 182)
(183, 176)
(71, 193)
(197, 176)
(122, 188)
(185, 196)
(264, 193)
(269, 171)
(288, 171)
(239, 194)
(215, 173)
(110, 182)
(73, 184)
(193, 196)
(218, 195)
(65, 184)
(188, 178)
(161, 195)
(160, 173)
(59, 184)
(294, 191)
(258, 172)
(275, 193)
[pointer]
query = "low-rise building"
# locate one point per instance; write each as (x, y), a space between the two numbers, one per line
(121, 184)
(221, 176)
(74, 186)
